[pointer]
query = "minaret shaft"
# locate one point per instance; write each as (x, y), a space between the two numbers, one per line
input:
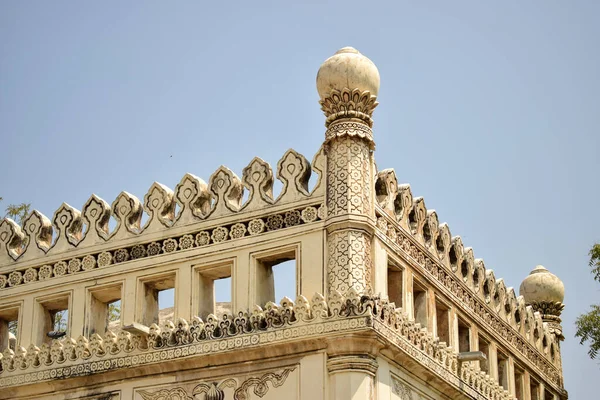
(349, 148)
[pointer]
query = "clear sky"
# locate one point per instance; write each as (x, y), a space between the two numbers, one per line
(490, 110)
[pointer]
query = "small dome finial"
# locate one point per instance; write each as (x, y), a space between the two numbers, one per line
(544, 292)
(542, 286)
(348, 83)
(347, 68)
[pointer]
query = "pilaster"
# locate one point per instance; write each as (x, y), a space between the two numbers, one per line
(351, 377)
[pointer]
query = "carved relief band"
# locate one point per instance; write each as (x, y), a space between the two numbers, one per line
(215, 390)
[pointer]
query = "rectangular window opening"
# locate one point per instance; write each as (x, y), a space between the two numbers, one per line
(395, 285)
(158, 303)
(214, 290)
(54, 323)
(548, 395)
(166, 305)
(284, 277)
(222, 288)
(105, 310)
(9, 328)
(420, 304)
(484, 347)
(534, 389)
(519, 383)
(442, 316)
(503, 370)
(114, 315)
(464, 337)
(276, 276)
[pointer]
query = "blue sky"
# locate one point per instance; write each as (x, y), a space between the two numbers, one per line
(489, 111)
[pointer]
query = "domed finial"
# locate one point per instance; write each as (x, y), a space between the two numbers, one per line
(544, 292)
(542, 286)
(348, 83)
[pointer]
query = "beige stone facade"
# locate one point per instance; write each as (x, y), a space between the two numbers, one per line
(388, 305)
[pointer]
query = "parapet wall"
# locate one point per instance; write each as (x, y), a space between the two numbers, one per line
(42, 249)
(406, 225)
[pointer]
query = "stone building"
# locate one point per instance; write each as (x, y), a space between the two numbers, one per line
(389, 304)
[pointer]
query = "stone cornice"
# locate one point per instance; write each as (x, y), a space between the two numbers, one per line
(319, 321)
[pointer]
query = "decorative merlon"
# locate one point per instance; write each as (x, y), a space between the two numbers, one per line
(197, 201)
(454, 269)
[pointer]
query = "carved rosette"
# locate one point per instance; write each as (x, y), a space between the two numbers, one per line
(349, 261)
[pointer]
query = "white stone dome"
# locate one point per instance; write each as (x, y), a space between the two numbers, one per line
(347, 68)
(542, 286)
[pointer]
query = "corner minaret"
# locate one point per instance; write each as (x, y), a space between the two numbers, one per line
(348, 83)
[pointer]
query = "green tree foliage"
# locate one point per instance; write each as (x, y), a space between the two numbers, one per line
(17, 212)
(114, 311)
(61, 320)
(588, 324)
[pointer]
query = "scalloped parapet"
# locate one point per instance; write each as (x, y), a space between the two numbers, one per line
(416, 232)
(71, 229)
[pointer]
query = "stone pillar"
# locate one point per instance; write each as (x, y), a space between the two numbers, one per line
(348, 84)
